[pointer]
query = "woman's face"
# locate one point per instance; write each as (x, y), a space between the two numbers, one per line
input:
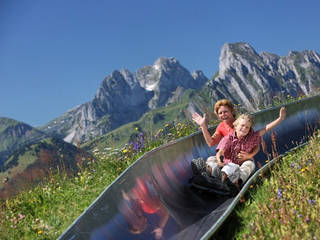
(225, 114)
(242, 128)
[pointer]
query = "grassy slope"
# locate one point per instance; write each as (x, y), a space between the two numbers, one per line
(285, 204)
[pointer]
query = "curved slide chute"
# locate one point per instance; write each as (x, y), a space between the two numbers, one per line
(153, 197)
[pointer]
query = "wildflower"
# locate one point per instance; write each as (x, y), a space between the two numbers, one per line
(244, 235)
(303, 169)
(292, 165)
(125, 150)
(40, 232)
(21, 216)
(251, 186)
(307, 219)
(311, 201)
(167, 125)
(136, 128)
(279, 193)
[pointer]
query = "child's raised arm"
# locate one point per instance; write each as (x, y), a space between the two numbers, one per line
(269, 126)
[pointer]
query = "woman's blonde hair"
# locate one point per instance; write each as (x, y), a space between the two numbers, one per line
(246, 117)
(227, 103)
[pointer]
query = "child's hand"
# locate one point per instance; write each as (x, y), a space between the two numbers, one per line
(221, 164)
(282, 113)
(243, 156)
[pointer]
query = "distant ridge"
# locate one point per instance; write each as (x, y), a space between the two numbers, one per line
(28, 156)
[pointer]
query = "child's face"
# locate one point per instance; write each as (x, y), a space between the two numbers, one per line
(242, 128)
(225, 114)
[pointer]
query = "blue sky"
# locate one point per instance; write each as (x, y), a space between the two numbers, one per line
(55, 54)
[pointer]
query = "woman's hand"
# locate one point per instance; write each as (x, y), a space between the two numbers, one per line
(200, 120)
(282, 113)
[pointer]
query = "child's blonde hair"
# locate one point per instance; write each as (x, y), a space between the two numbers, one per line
(227, 103)
(246, 117)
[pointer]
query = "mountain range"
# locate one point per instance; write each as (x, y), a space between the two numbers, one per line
(246, 77)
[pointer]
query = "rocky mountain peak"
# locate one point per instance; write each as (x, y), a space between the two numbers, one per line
(245, 76)
(164, 64)
(234, 53)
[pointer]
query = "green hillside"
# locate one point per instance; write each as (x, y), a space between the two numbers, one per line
(33, 163)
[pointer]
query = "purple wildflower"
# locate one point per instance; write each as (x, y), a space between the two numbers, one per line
(307, 219)
(311, 201)
(279, 193)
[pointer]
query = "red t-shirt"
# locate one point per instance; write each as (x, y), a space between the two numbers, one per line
(223, 129)
(232, 145)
